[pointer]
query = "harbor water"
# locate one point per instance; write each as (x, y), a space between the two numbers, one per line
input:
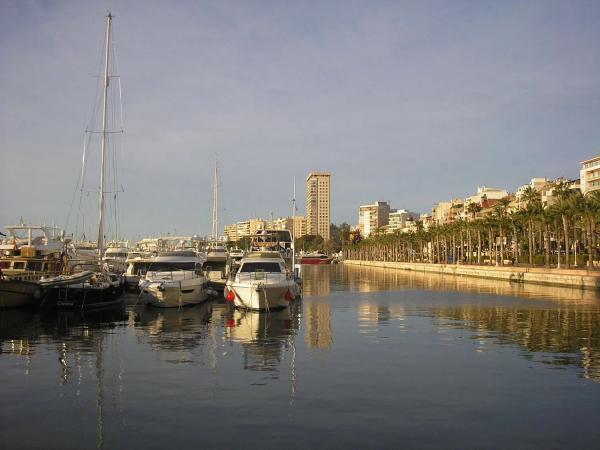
(369, 358)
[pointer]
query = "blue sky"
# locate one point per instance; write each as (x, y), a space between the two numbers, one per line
(412, 102)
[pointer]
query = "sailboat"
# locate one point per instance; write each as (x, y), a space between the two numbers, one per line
(102, 289)
(216, 267)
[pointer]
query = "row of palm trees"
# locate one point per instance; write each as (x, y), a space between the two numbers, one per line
(562, 234)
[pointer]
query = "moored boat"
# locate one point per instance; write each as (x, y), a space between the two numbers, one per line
(17, 293)
(261, 283)
(115, 256)
(100, 290)
(137, 266)
(315, 258)
(30, 252)
(215, 267)
(175, 279)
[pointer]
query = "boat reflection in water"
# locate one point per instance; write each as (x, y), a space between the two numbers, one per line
(78, 343)
(173, 332)
(264, 336)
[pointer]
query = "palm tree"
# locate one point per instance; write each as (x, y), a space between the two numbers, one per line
(500, 213)
(473, 209)
(588, 210)
(563, 207)
(533, 201)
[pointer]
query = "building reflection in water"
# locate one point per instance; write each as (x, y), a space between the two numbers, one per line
(372, 279)
(316, 280)
(568, 336)
(317, 319)
(567, 330)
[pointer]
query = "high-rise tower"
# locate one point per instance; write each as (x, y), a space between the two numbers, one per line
(318, 204)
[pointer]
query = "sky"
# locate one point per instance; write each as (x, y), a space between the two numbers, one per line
(413, 102)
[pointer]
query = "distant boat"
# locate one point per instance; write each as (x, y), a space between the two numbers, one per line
(115, 256)
(315, 258)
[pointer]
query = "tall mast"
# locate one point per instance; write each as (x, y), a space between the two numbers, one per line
(294, 226)
(104, 135)
(215, 215)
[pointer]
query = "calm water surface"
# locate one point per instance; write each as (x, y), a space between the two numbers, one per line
(370, 358)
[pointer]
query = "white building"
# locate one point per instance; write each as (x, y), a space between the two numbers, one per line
(590, 175)
(371, 217)
(486, 193)
(402, 220)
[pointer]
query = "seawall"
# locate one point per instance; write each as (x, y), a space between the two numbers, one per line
(576, 278)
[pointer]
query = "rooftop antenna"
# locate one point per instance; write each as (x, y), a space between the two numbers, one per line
(215, 214)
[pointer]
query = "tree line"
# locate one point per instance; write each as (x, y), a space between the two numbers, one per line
(562, 234)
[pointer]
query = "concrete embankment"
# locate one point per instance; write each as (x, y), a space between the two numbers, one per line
(558, 277)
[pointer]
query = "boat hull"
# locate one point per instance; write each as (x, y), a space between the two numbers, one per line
(83, 296)
(14, 294)
(132, 281)
(261, 296)
(315, 261)
(176, 294)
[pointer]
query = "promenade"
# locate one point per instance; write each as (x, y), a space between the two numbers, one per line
(577, 278)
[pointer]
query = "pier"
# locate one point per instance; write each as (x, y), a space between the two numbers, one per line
(574, 278)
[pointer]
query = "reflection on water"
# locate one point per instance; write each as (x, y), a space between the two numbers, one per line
(171, 331)
(355, 327)
(376, 279)
(263, 336)
(570, 335)
(317, 316)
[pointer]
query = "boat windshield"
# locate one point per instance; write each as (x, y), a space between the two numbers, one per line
(261, 267)
(168, 266)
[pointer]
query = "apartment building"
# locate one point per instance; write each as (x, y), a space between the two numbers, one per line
(318, 204)
(402, 220)
(372, 217)
(296, 225)
(446, 212)
(590, 175)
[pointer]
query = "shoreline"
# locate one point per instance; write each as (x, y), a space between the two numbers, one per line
(574, 278)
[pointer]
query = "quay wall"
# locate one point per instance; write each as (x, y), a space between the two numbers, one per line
(575, 278)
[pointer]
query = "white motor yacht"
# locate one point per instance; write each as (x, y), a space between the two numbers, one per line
(175, 279)
(262, 283)
(115, 256)
(138, 263)
(215, 266)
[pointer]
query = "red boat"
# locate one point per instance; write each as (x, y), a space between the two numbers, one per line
(315, 258)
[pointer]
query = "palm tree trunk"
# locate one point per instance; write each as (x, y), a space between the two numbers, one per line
(566, 233)
(530, 237)
(501, 245)
(547, 244)
(588, 231)
(478, 246)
